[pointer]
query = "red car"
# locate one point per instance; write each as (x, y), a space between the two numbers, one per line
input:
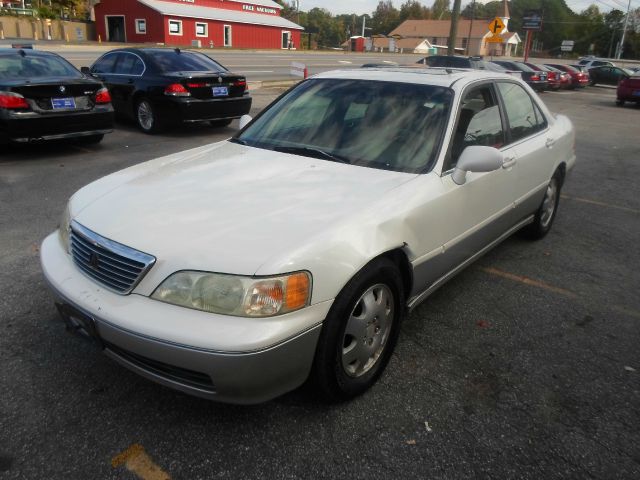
(629, 90)
(578, 78)
(552, 77)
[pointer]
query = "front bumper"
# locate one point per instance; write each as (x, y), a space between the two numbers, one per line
(271, 358)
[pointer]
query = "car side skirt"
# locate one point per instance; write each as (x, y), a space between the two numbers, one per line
(418, 298)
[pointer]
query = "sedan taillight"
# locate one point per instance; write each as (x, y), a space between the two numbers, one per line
(103, 96)
(12, 101)
(177, 90)
(535, 77)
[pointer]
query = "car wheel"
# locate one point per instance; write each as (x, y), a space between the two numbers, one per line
(146, 117)
(90, 139)
(360, 332)
(221, 123)
(546, 213)
(620, 103)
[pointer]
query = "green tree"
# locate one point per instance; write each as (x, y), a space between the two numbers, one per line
(441, 10)
(385, 18)
(414, 10)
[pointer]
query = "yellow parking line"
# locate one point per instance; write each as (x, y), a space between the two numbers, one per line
(601, 204)
(136, 460)
(529, 281)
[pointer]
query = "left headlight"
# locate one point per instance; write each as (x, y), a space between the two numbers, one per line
(64, 229)
(236, 295)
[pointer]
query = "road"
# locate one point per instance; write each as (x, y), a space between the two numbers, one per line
(525, 366)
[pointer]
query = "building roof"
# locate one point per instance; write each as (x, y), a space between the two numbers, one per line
(440, 28)
(263, 3)
(221, 14)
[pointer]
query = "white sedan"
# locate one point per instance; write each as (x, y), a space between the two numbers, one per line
(237, 270)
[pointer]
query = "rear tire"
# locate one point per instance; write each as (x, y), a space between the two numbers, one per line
(221, 123)
(360, 332)
(546, 213)
(146, 117)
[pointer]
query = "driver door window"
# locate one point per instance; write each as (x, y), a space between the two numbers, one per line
(479, 123)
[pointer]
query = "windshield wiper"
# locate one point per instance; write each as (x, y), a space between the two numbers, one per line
(238, 141)
(313, 152)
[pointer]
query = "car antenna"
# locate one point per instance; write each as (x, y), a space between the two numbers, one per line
(177, 50)
(22, 53)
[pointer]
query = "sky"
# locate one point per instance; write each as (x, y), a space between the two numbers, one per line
(368, 6)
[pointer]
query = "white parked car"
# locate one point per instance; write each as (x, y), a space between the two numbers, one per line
(237, 270)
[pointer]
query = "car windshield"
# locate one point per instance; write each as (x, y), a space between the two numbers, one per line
(524, 67)
(377, 124)
(17, 67)
(494, 67)
(179, 61)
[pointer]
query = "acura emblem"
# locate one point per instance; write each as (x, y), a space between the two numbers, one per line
(93, 261)
(62, 89)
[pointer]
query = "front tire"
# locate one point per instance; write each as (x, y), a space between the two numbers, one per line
(360, 332)
(546, 214)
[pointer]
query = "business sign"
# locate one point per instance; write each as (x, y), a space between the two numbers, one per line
(567, 45)
(532, 20)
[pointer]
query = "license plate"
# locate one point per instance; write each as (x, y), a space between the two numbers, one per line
(80, 324)
(220, 92)
(59, 103)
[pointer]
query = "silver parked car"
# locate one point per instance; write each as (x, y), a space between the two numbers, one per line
(236, 270)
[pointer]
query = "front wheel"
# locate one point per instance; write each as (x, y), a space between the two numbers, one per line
(360, 332)
(546, 214)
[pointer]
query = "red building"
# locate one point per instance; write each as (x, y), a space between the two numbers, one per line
(219, 23)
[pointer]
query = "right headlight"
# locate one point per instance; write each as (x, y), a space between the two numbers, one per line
(236, 295)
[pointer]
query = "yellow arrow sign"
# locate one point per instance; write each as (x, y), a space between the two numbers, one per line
(496, 26)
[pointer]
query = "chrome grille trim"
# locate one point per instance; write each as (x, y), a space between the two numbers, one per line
(111, 264)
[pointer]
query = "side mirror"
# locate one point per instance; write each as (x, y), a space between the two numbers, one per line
(476, 159)
(85, 70)
(245, 120)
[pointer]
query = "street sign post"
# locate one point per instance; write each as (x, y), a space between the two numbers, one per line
(532, 20)
(567, 46)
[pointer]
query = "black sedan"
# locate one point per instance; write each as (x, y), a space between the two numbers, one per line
(158, 87)
(536, 80)
(608, 75)
(44, 97)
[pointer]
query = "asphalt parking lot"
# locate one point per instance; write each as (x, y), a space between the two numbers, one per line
(527, 365)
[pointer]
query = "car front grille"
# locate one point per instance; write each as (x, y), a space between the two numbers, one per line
(179, 375)
(116, 266)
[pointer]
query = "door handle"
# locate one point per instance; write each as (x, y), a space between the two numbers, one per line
(550, 142)
(509, 162)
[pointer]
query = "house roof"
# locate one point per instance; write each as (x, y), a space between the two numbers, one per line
(221, 14)
(263, 3)
(440, 28)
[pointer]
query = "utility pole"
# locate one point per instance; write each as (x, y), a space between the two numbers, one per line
(624, 32)
(453, 31)
(364, 22)
(473, 16)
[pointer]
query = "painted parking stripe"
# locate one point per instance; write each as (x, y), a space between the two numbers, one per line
(529, 281)
(137, 461)
(601, 204)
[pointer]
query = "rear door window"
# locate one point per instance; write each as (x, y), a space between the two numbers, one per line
(129, 64)
(524, 117)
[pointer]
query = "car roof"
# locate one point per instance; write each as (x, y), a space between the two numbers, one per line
(27, 51)
(438, 76)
